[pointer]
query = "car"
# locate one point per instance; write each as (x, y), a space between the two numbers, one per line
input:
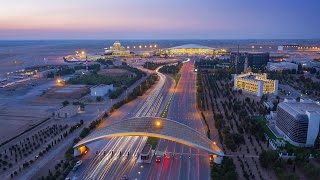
(158, 159)
(78, 163)
(125, 177)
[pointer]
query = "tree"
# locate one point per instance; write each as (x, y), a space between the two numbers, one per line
(99, 99)
(65, 103)
(84, 132)
(267, 158)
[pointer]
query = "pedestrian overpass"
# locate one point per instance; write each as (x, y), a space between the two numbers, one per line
(154, 127)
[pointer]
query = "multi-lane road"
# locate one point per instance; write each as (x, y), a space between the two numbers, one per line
(183, 162)
(104, 160)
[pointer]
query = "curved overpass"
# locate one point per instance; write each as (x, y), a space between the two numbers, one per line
(154, 127)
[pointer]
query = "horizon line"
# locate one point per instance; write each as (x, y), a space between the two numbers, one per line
(151, 39)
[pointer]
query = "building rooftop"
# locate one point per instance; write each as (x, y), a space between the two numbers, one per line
(250, 52)
(298, 108)
(101, 85)
(283, 63)
(192, 46)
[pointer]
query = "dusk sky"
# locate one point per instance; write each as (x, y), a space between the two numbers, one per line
(159, 19)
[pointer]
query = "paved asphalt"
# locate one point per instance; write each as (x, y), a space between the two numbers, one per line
(104, 160)
(184, 162)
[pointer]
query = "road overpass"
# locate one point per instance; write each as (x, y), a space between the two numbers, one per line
(154, 127)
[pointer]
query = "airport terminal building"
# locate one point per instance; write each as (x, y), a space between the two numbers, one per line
(192, 50)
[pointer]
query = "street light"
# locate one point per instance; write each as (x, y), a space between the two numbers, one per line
(158, 123)
(59, 82)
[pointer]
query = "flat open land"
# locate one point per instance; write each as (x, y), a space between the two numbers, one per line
(67, 92)
(16, 120)
(114, 72)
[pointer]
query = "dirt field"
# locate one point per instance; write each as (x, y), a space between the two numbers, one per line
(67, 92)
(19, 119)
(114, 72)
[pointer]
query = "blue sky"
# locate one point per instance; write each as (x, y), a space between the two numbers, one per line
(159, 19)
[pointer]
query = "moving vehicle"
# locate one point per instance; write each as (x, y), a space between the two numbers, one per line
(158, 159)
(78, 163)
(125, 177)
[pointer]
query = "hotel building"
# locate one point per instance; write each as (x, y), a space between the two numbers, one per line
(298, 122)
(257, 84)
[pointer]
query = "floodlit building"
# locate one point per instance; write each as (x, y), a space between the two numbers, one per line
(192, 49)
(117, 50)
(101, 90)
(298, 122)
(257, 84)
(282, 66)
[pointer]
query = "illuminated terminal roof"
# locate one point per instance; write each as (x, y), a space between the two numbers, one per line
(155, 127)
(192, 46)
(193, 49)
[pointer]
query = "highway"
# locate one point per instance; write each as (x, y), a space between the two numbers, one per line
(104, 160)
(184, 162)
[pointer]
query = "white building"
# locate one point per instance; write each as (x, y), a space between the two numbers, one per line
(101, 90)
(305, 62)
(298, 122)
(281, 66)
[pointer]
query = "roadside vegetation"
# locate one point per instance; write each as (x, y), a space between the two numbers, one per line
(121, 82)
(171, 69)
(152, 65)
(225, 171)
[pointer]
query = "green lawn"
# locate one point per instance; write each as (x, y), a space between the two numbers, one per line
(262, 121)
